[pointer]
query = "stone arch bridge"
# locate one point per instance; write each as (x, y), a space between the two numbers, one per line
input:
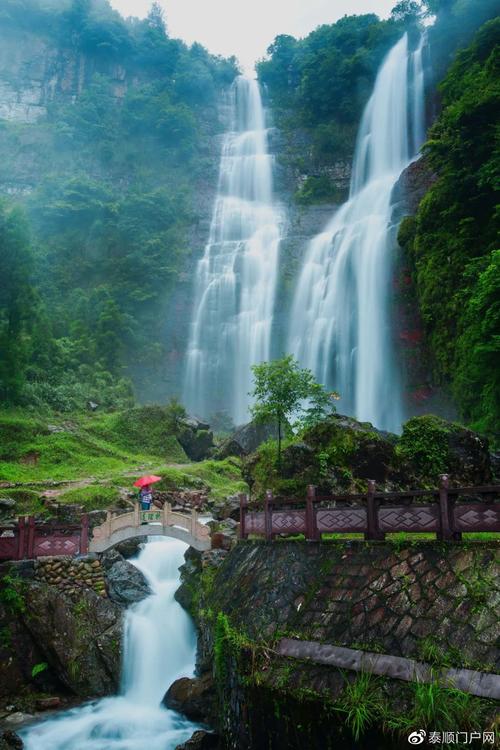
(29, 539)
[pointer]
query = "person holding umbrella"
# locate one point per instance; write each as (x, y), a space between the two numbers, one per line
(146, 493)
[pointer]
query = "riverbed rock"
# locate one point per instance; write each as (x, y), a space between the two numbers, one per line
(201, 740)
(192, 696)
(10, 740)
(125, 583)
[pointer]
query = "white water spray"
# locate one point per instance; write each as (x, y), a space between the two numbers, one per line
(340, 324)
(159, 647)
(236, 277)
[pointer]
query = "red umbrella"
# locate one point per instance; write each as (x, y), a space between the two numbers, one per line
(144, 481)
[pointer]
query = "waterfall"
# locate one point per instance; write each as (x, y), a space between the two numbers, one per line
(340, 323)
(159, 647)
(236, 277)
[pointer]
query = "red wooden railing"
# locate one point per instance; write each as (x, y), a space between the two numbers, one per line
(31, 539)
(376, 513)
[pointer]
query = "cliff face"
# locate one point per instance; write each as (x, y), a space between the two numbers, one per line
(34, 73)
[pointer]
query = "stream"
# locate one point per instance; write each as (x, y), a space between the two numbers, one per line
(159, 647)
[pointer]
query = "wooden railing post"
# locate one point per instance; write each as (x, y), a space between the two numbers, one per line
(243, 513)
(373, 531)
(268, 515)
(311, 524)
(445, 532)
(21, 539)
(84, 535)
(31, 537)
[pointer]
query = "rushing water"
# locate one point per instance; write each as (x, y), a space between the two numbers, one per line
(159, 647)
(236, 277)
(340, 325)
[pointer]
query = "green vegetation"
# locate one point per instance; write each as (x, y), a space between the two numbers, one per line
(11, 593)
(39, 668)
(104, 452)
(452, 241)
(283, 390)
(321, 84)
(424, 443)
(88, 267)
(362, 703)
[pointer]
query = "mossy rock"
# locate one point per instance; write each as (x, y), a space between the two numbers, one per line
(430, 446)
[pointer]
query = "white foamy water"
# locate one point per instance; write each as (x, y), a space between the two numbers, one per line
(236, 277)
(159, 647)
(340, 325)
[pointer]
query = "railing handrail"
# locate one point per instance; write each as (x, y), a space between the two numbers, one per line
(369, 513)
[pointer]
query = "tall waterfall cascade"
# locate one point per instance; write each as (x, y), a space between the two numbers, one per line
(340, 325)
(159, 647)
(236, 277)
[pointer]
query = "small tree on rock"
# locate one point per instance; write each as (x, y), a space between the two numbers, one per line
(285, 392)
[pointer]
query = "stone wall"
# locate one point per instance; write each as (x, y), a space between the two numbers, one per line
(71, 575)
(425, 600)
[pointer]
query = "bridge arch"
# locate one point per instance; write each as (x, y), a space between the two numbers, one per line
(140, 523)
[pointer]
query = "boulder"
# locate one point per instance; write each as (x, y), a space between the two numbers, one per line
(195, 438)
(430, 446)
(129, 547)
(126, 584)
(194, 697)
(247, 439)
(201, 740)
(410, 188)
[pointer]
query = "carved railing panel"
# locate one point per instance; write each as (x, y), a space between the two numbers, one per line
(289, 522)
(377, 513)
(332, 520)
(415, 518)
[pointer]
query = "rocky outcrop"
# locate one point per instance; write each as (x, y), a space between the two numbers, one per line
(411, 187)
(80, 641)
(340, 454)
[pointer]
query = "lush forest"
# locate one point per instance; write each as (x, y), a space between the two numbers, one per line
(91, 255)
(453, 240)
(89, 259)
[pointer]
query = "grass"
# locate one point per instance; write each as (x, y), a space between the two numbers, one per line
(362, 703)
(107, 450)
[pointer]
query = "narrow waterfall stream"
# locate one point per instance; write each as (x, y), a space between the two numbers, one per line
(159, 647)
(340, 325)
(236, 277)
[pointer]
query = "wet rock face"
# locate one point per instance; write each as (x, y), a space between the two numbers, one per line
(80, 641)
(201, 740)
(411, 187)
(193, 697)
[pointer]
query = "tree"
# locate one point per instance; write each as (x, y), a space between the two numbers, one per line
(17, 303)
(156, 19)
(283, 391)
